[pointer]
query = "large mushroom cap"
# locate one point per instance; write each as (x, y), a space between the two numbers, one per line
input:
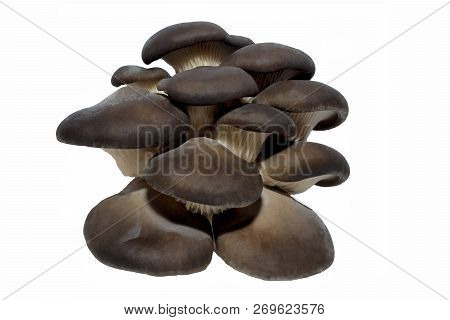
(245, 130)
(129, 118)
(209, 85)
(144, 231)
(259, 118)
(206, 176)
(206, 44)
(276, 238)
(131, 74)
(271, 62)
(178, 36)
(304, 164)
(307, 97)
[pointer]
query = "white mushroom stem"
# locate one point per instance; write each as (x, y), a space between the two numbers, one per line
(293, 187)
(150, 85)
(202, 116)
(306, 121)
(263, 80)
(210, 53)
(132, 162)
(203, 209)
(244, 144)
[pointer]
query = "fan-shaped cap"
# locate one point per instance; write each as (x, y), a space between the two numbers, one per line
(130, 74)
(186, 34)
(300, 96)
(259, 118)
(304, 164)
(129, 118)
(276, 238)
(205, 173)
(144, 231)
(271, 62)
(209, 85)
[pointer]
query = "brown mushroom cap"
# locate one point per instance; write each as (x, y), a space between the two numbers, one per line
(276, 238)
(300, 96)
(245, 130)
(187, 34)
(144, 231)
(209, 85)
(205, 173)
(127, 119)
(130, 74)
(304, 164)
(271, 62)
(259, 118)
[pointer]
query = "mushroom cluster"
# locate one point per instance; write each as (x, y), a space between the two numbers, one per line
(215, 152)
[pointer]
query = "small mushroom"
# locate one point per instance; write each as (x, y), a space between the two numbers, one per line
(276, 238)
(304, 164)
(272, 62)
(312, 105)
(202, 90)
(144, 231)
(245, 129)
(138, 76)
(188, 45)
(132, 125)
(205, 176)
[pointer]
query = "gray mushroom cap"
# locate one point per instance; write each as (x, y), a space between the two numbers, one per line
(300, 96)
(306, 160)
(259, 118)
(130, 74)
(129, 118)
(204, 172)
(209, 85)
(276, 238)
(144, 231)
(186, 34)
(277, 61)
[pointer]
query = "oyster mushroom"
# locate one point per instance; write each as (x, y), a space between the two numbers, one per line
(202, 90)
(245, 129)
(138, 76)
(144, 231)
(205, 176)
(272, 62)
(132, 125)
(188, 45)
(304, 164)
(276, 238)
(312, 105)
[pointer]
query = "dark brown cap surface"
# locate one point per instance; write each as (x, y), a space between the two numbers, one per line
(186, 34)
(276, 238)
(127, 119)
(131, 74)
(298, 96)
(144, 231)
(209, 85)
(304, 160)
(203, 171)
(272, 57)
(259, 118)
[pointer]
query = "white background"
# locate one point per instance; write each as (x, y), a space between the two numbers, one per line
(396, 140)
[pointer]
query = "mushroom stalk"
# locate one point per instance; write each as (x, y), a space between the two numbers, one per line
(203, 209)
(149, 85)
(132, 162)
(263, 80)
(306, 121)
(245, 144)
(210, 53)
(202, 117)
